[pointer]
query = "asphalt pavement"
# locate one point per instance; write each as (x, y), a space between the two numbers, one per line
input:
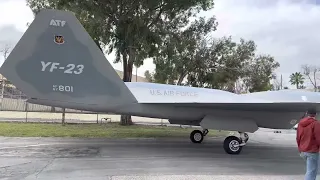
(267, 156)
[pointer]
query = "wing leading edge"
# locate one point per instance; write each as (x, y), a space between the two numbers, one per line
(277, 106)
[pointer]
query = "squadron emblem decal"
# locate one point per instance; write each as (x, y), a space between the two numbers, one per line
(58, 39)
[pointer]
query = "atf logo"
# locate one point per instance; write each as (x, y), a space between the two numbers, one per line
(59, 39)
(58, 23)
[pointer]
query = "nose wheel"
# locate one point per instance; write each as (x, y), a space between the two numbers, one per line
(233, 144)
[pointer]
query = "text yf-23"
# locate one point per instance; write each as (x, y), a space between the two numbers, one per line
(67, 69)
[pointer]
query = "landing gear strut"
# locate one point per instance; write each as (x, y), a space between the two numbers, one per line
(197, 136)
(233, 144)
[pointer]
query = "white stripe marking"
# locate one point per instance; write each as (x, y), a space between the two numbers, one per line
(26, 146)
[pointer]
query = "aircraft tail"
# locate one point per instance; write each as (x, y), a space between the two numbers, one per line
(57, 63)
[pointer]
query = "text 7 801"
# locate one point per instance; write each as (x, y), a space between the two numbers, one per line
(62, 88)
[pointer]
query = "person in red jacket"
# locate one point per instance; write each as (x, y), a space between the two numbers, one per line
(308, 140)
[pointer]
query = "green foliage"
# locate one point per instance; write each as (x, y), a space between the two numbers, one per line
(162, 29)
(133, 29)
(260, 73)
(215, 63)
(149, 76)
(297, 79)
(181, 49)
(181, 52)
(224, 65)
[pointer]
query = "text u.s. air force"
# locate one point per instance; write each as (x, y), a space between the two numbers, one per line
(157, 92)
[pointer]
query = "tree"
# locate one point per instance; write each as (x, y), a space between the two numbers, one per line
(223, 67)
(276, 84)
(182, 52)
(5, 83)
(133, 29)
(254, 71)
(217, 63)
(297, 79)
(149, 76)
(260, 72)
(311, 72)
(228, 63)
(208, 62)
(240, 87)
(234, 67)
(5, 53)
(216, 69)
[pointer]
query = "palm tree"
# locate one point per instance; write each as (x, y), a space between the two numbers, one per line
(297, 79)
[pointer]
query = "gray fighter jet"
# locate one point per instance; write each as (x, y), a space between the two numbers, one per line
(56, 63)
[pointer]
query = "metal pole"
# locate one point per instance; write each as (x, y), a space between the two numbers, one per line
(97, 118)
(63, 116)
(26, 109)
(136, 74)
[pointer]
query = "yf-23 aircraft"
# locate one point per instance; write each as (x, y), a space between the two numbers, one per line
(56, 63)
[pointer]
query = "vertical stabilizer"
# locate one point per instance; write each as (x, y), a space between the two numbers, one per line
(56, 61)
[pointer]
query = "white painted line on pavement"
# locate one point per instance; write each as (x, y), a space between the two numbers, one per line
(26, 146)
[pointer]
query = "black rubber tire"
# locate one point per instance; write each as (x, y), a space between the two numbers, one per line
(192, 136)
(232, 139)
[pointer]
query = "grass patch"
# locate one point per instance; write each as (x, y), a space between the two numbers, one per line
(108, 130)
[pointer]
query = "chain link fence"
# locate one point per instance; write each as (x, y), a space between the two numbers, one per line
(21, 111)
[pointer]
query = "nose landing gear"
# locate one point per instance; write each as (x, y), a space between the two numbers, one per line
(233, 144)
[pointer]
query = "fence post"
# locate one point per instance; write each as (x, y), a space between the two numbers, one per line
(1, 104)
(26, 109)
(2, 91)
(97, 118)
(63, 116)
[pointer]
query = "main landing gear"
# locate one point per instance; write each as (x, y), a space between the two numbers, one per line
(197, 136)
(232, 144)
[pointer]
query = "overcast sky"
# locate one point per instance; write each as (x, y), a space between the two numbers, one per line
(289, 30)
